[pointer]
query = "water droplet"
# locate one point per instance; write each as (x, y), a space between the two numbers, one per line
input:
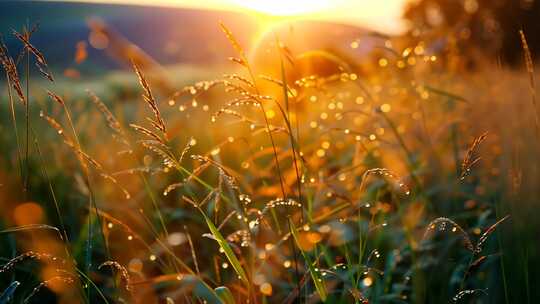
(367, 281)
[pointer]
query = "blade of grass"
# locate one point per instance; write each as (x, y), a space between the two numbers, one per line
(27, 115)
(445, 94)
(226, 248)
(287, 120)
(89, 281)
(225, 295)
(53, 195)
(15, 129)
(315, 275)
(6, 296)
(529, 64)
(501, 260)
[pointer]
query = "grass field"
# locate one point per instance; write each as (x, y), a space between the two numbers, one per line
(277, 177)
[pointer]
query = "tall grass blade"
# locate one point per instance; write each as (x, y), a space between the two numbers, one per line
(6, 296)
(226, 248)
(315, 275)
(529, 64)
(225, 295)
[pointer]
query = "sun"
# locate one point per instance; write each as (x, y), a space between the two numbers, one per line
(285, 7)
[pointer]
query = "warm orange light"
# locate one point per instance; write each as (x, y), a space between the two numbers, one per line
(285, 7)
(27, 214)
(382, 15)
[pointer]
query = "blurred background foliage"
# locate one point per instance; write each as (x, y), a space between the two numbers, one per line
(481, 28)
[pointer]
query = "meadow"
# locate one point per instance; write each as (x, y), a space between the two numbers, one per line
(401, 176)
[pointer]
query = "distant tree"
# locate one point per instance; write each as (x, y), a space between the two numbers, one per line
(483, 27)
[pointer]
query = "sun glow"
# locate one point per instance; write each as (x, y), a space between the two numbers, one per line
(381, 15)
(285, 7)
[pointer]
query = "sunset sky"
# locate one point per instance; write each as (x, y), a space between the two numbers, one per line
(382, 15)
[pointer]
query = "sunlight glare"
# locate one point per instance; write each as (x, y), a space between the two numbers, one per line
(285, 7)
